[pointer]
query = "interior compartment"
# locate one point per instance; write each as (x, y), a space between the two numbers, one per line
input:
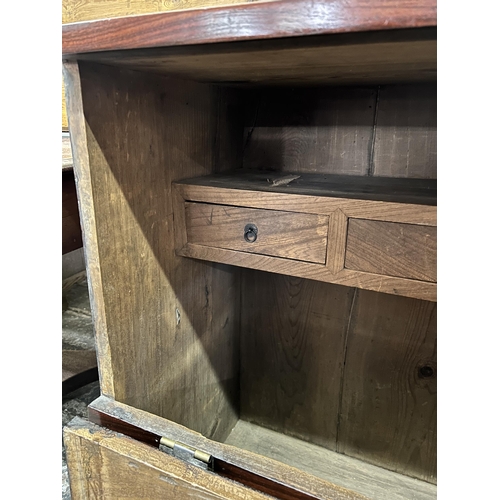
(214, 347)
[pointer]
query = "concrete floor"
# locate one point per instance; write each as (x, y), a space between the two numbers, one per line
(77, 334)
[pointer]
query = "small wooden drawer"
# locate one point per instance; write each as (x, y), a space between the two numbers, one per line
(276, 233)
(371, 233)
(392, 249)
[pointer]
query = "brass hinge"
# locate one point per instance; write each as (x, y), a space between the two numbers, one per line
(183, 451)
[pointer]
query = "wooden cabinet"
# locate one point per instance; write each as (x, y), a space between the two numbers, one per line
(257, 192)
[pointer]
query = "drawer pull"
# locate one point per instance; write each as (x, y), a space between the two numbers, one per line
(250, 234)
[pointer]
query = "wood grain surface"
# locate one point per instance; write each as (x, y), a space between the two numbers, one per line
(282, 234)
(246, 22)
(405, 141)
(388, 412)
(292, 335)
(167, 327)
(88, 10)
(257, 464)
(404, 250)
(106, 464)
(373, 482)
(373, 57)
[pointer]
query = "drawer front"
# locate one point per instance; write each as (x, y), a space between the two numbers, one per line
(392, 249)
(289, 235)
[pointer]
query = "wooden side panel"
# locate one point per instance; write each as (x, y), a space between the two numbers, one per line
(282, 234)
(392, 249)
(405, 132)
(292, 344)
(388, 413)
(170, 323)
(104, 464)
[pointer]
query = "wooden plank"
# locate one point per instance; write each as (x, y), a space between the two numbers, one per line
(164, 348)
(281, 234)
(105, 464)
(324, 130)
(404, 250)
(71, 228)
(396, 190)
(408, 213)
(368, 281)
(373, 482)
(251, 21)
(260, 465)
(375, 57)
(406, 132)
(291, 336)
(388, 413)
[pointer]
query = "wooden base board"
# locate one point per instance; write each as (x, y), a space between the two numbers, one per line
(369, 480)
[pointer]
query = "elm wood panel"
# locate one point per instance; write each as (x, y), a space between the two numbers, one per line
(397, 190)
(401, 250)
(263, 466)
(385, 284)
(71, 227)
(292, 352)
(216, 464)
(371, 57)
(87, 10)
(310, 130)
(405, 135)
(373, 482)
(388, 413)
(87, 204)
(106, 464)
(171, 324)
(368, 209)
(246, 22)
(280, 234)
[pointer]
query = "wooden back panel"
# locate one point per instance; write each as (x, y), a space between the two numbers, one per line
(351, 370)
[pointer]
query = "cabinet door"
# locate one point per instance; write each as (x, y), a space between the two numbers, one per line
(104, 464)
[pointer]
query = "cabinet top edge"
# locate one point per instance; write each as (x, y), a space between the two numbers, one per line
(260, 20)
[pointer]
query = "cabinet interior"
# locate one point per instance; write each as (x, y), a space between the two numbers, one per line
(207, 345)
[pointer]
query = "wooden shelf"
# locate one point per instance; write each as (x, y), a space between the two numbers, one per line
(372, 233)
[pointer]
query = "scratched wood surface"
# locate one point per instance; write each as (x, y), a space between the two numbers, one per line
(166, 327)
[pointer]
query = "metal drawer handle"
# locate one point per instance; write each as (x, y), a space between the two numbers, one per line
(250, 233)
